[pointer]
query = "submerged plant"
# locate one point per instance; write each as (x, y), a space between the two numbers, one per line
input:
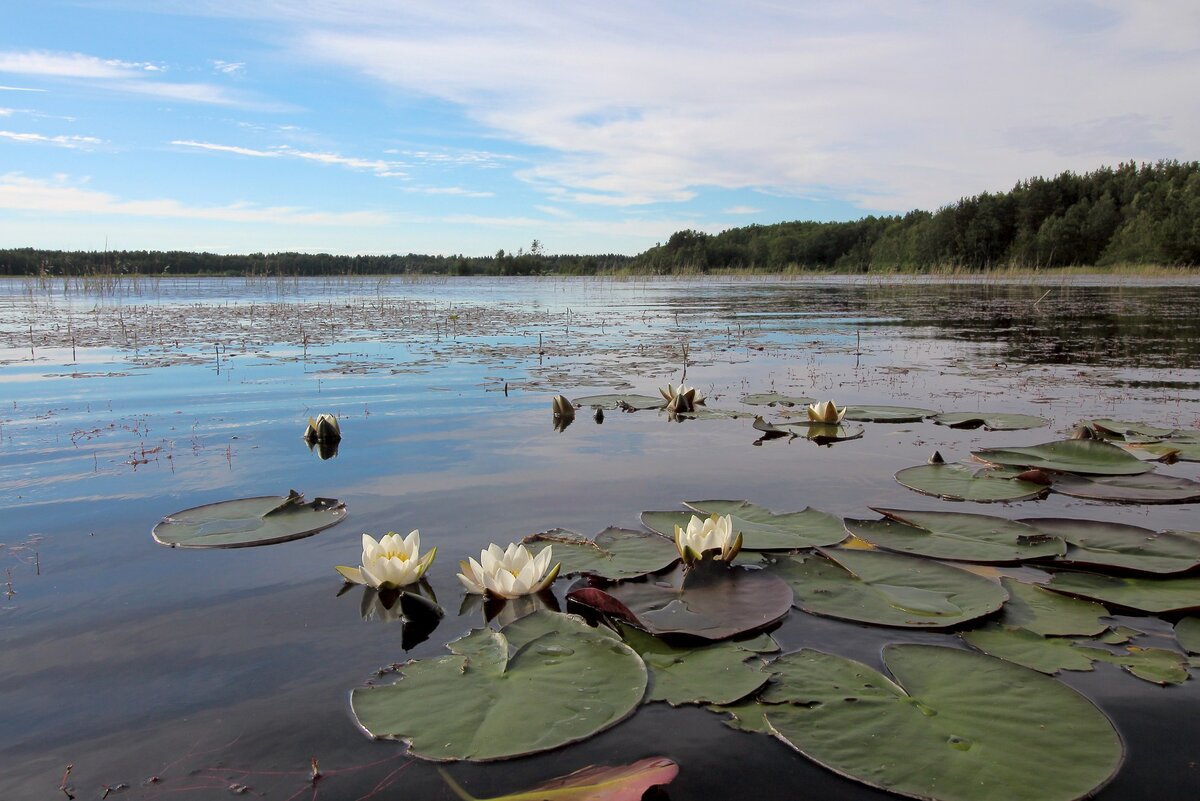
(704, 535)
(393, 561)
(508, 573)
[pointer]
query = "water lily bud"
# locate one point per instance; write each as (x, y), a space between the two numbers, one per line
(324, 428)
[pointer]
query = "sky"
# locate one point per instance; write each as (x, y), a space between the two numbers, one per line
(381, 126)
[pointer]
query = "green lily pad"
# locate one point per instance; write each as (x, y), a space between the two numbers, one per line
(820, 433)
(626, 402)
(957, 482)
(888, 589)
(1085, 456)
(711, 601)
(748, 715)
(887, 414)
(991, 421)
(1157, 665)
(1049, 613)
(1168, 450)
(248, 521)
(1044, 654)
(1144, 488)
(1124, 430)
(1187, 631)
(762, 529)
(775, 398)
(1098, 543)
(705, 413)
(1116, 636)
(615, 553)
(594, 783)
(1155, 595)
(715, 673)
(482, 702)
(957, 536)
(953, 726)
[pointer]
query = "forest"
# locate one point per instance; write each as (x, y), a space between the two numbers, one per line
(1133, 214)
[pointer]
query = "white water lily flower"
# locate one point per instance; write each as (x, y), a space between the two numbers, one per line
(702, 535)
(682, 398)
(508, 573)
(825, 412)
(324, 428)
(563, 408)
(393, 561)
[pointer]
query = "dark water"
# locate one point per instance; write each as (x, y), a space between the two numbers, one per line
(122, 403)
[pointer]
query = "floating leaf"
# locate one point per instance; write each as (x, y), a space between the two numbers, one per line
(1187, 631)
(615, 553)
(483, 703)
(991, 421)
(1098, 543)
(773, 398)
(1086, 456)
(705, 413)
(887, 414)
(820, 433)
(716, 673)
(1117, 636)
(625, 402)
(954, 726)
(764, 530)
(957, 536)
(956, 482)
(248, 521)
(1043, 654)
(888, 589)
(1155, 595)
(595, 783)
(1049, 613)
(1123, 430)
(712, 600)
(748, 715)
(1146, 488)
(1157, 665)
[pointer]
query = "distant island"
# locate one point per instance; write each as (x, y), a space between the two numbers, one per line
(1133, 214)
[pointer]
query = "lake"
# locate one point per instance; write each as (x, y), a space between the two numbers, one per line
(201, 673)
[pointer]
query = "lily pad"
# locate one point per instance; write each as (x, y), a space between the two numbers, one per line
(626, 402)
(1098, 543)
(595, 783)
(1085, 456)
(775, 398)
(712, 601)
(716, 673)
(953, 726)
(1125, 430)
(1157, 665)
(957, 536)
(957, 482)
(820, 433)
(888, 589)
(1187, 631)
(1049, 613)
(991, 421)
(761, 529)
(1044, 654)
(1155, 595)
(1144, 488)
(488, 701)
(248, 521)
(887, 414)
(705, 413)
(615, 553)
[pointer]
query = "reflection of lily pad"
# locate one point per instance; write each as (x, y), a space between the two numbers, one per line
(712, 601)
(887, 414)
(627, 402)
(1099, 543)
(1049, 613)
(248, 521)
(615, 553)
(991, 421)
(483, 703)
(957, 482)
(888, 589)
(820, 433)
(761, 529)
(1144, 488)
(716, 673)
(1187, 631)
(1155, 595)
(956, 535)
(1086, 456)
(953, 726)
(773, 398)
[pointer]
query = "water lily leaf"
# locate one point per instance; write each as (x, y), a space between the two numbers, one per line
(1123, 430)
(764, 530)
(957, 536)
(820, 433)
(482, 702)
(705, 413)
(595, 783)
(1049, 613)
(887, 414)
(626, 402)
(1146, 488)
(248, 521)
(1168, 450)
(1043, 654)
(1118, 635)
(1086, 456)
(615, 553)
(712, 601)
(1157, 665)
(957, 482)
(748, 715)
(1097, 543)
(953, 726)
(716, 673)
(991, 421)
(773, 398)
(1187, 631)
(1155, 595)
(888, 589)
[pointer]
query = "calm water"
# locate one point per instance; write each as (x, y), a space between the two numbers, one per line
(121, 403)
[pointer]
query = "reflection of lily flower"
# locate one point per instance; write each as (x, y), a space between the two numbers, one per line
(324, 428)
(682, 398)
(825, 412)
(415, 608)
(714, 533)
(509, 573)
(393, 561)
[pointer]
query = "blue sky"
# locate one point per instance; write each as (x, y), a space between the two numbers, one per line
(365, 126)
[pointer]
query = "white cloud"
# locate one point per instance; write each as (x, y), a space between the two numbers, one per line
(229, 67)
(741, 210)
(384, 169)
(72, 142)
(19, 89)
(457, 191)
(241, 151)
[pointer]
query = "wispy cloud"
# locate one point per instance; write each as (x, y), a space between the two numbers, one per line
(72, 142)
(19, 89)
(741, 210)
(384, 169)
(229, 67)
